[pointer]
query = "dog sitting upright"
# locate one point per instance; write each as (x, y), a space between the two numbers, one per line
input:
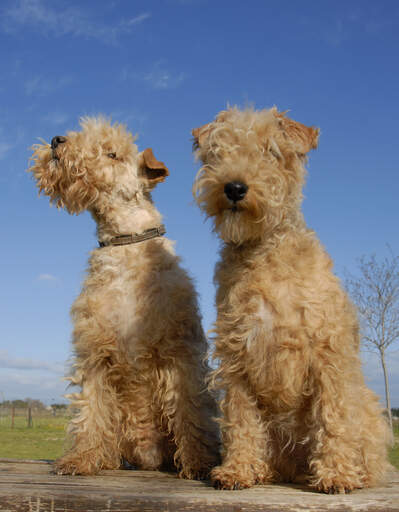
(138, 341)
(295, 403)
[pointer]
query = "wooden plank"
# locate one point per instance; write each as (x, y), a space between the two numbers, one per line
(30, 486)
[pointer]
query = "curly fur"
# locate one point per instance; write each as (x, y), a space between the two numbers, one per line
(138, 342)
(295, 404)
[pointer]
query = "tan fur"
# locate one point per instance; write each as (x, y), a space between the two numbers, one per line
(138, 342)
(286, 337)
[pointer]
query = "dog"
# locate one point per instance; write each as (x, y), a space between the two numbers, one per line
(294, 403)
(138, 342)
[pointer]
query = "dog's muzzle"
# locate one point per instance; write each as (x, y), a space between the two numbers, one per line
(55, 142)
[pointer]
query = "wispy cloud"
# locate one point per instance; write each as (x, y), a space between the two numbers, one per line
(372, 361)
(5, 148)
(16, 384)
(159, 76)
(336, 34)
(138, 19)
(188, 2)
(57, 118)
(349, 24)
(47, 277)
(10, 138)
(20, 363)
(58, 21)
(39, 85)
(135, 118)
(374, 376)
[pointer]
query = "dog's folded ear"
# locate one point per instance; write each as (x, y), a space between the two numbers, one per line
(155, 170)
(200, 134)
(304, 138)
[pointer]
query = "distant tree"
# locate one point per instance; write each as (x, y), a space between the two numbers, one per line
(376, 295)
(35, 404)
(24, 404)
(19, 404)
(59, 407)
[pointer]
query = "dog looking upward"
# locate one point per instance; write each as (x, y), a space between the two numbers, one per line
(137, 337)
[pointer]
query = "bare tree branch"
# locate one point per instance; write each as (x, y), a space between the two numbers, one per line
(376, 294)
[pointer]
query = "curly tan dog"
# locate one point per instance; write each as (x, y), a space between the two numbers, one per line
(138, 341)
(295, 403)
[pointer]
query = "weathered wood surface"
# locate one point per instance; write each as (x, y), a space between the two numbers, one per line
(30, 486)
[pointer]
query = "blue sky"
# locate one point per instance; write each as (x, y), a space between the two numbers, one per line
(164, 67)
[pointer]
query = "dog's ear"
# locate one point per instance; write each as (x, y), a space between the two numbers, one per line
(154, 170)
(200, 134)
(304, 138)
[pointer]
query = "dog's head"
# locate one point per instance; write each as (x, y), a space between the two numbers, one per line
(90, 168)
(253, 171)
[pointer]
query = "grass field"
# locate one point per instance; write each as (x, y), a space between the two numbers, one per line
(45, 440)
(394, 454)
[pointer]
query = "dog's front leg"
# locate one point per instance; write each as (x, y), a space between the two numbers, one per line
(187, 408)
(94, 433)
(244, 439)
(335, 461)
(143, 439)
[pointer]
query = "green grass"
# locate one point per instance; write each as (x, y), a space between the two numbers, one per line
(394, 453)
(45, 440)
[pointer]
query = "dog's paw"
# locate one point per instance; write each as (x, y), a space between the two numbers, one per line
(338, 490)
(196, 474)
(66, 468)
(75, 466)
(224, 478)
(336, 486)
(198, 466)
(229, 486)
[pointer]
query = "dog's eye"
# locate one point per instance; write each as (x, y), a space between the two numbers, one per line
(111, 155)
(275, 154)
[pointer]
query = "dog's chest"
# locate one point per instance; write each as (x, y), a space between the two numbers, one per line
(268, 335)
(117, 283)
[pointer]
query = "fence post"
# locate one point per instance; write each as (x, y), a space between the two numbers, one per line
(12, 416)
(30, 423)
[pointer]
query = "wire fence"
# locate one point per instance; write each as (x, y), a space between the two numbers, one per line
(17, 417)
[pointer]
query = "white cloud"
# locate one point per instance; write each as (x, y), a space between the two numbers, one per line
(4, 148)
(57, 118)
(19, 385)
(374, 376)
(336, 33)
(47, 277)
(157, 77)
(188, 2)
(30, 11)
(15, 134)
(58, 21)
(133, 117)
(41, 86)
(22, 363)
(138, 19)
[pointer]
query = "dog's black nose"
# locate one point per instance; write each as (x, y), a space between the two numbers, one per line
(58, 139)
(235, 190)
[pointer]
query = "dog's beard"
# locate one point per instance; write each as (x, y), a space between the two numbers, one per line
(238, 224)
(241, 221)
(248, 220)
